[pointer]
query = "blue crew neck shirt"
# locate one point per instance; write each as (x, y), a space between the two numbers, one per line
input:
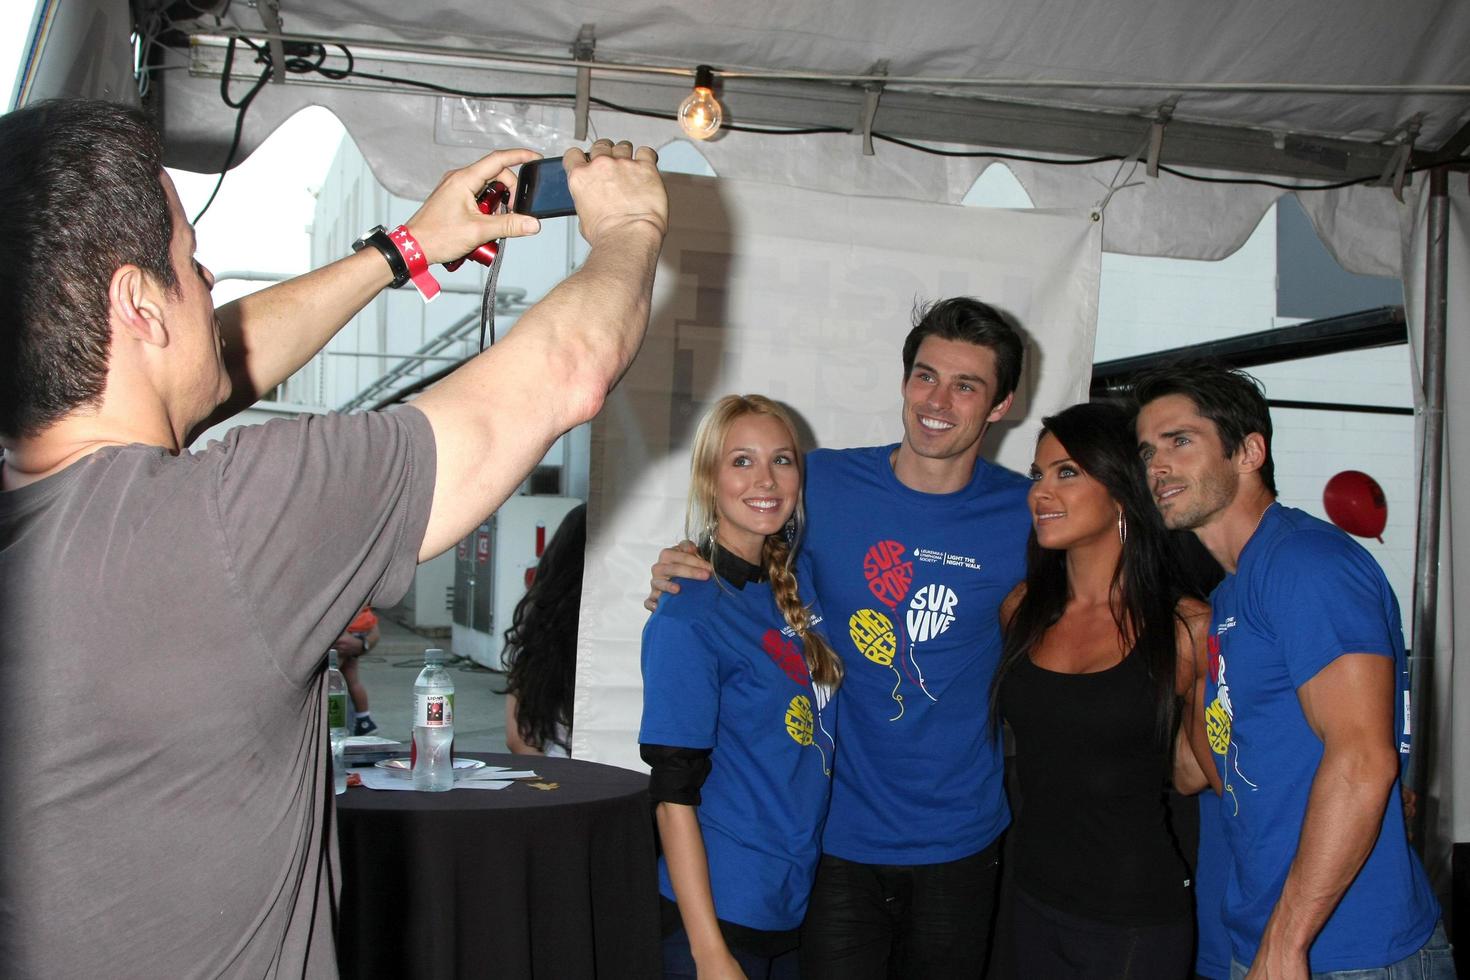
(911, 584)
(723, 671)
(1303, 595)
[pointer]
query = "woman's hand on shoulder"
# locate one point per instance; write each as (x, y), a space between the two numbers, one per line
(1010, 604)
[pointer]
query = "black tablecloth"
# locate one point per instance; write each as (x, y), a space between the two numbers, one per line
(518, 882)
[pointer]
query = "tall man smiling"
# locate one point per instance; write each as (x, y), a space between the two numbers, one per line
(1305, 650)
(914, 546)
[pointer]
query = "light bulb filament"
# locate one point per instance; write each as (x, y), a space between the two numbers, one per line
(700, 114)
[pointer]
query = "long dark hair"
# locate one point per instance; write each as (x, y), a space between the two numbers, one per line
(1148, 581)
(540, 654)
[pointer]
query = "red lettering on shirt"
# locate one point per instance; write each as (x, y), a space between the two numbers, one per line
(786, 655)
(888, 578)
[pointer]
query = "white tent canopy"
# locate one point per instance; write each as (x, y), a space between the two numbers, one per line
(1302, 93)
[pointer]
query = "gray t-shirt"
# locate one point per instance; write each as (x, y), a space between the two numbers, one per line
(165, 779)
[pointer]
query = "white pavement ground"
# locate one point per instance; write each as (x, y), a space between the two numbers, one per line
(389, 671)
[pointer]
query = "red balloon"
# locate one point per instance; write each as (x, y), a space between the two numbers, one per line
(1355, 502)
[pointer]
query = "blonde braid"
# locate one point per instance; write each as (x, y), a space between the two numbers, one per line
(821, 659)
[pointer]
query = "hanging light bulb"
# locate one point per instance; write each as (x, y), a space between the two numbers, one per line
(700, 114)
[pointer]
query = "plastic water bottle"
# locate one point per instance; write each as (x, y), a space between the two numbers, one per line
(337, 719)
(433, 726)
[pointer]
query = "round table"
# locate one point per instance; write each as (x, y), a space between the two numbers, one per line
(516, 882)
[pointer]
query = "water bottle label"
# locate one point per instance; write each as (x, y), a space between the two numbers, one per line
(433, 710)
(336, 711)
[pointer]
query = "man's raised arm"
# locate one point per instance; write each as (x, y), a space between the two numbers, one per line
(497, 415)
(271, 333)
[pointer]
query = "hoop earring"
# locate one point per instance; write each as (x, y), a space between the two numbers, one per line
(1122, 528)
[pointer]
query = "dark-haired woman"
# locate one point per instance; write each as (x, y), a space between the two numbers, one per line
(1098, 658)
(540, 655)
(738, 710)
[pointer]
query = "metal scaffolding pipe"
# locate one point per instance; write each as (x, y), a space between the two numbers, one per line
(1426, 565)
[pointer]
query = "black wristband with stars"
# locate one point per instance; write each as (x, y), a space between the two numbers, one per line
(378, 238)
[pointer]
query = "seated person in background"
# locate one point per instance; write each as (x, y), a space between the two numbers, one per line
(540, 655)
(360, 636)
(738, 714)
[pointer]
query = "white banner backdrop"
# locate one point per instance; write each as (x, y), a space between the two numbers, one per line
(805, 297)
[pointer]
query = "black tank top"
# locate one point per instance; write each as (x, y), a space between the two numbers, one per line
(1091, 832)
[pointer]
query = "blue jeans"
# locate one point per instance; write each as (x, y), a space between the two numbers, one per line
(1435, 960)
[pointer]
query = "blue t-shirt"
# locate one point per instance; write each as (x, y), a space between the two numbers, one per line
(1304, 594)
(911, 584)
(1211, 869)
(723, 671)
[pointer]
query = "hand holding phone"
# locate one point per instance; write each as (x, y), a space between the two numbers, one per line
(541, 190)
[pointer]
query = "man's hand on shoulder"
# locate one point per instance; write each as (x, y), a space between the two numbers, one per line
(617, 191)
(449, 226)
(680, 561)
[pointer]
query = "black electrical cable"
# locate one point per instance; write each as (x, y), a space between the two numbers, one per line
(305, 66)
(996, 154)
(240, 107)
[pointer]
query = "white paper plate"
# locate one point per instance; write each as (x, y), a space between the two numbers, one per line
(401, 764)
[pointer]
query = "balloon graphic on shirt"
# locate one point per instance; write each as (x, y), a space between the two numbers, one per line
(786, 655)
(888, 578)
(1220, 728)
(872, 633)
(1217, 728)
(799, 720)
(931, 611)
(1356, 503)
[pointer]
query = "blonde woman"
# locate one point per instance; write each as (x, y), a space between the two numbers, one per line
(738, 711)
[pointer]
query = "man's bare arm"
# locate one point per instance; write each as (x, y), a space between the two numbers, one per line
(497, 415)
(1349, 704)
(270, 334)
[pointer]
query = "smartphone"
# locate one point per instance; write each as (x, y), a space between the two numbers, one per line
(541, 190)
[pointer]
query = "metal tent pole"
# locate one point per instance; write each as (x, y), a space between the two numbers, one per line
(1426, 570)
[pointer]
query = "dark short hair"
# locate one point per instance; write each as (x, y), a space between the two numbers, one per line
(1233, 400)
(973, 322)
(80, 182)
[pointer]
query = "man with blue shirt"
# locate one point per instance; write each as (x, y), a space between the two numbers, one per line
(1303, 662)
(913, 547)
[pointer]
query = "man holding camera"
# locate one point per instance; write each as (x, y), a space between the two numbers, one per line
(156, 822)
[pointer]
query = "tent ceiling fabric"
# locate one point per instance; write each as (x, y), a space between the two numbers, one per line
(1362, 42)
(1358, 42)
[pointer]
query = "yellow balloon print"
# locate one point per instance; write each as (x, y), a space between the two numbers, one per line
(799, 720)
(872, 633)
(1217, 727)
